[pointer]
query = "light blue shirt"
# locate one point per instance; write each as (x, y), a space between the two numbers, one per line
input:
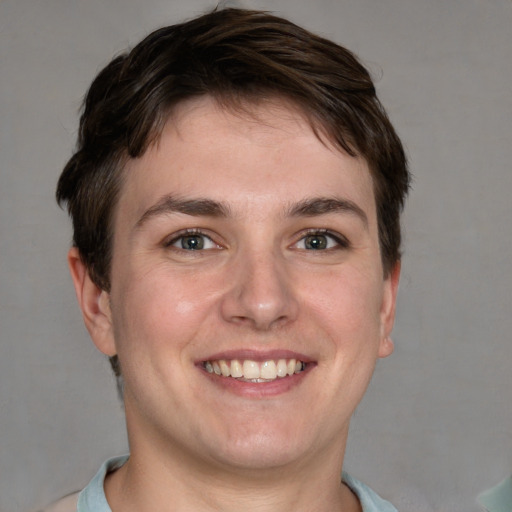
(499, 498)
(92, 498)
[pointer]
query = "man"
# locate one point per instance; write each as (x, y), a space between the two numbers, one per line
(235, 197)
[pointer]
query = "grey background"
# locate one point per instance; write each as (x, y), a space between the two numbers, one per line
(436, 425)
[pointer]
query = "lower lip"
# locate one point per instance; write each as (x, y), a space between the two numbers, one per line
(269, 389)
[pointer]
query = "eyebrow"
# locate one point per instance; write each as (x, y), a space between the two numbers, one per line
(202, 207)
(195, 207)
(325, 205)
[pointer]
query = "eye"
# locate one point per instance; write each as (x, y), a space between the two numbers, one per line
(321, 241)
(192, 241)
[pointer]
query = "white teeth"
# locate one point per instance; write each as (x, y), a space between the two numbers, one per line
(268, 370)
(236, 369)
(281, 368)
(224, 368)
(253, 371)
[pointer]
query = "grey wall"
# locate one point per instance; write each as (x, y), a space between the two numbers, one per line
(436, 425)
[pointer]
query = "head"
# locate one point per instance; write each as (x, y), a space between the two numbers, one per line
(238, 58)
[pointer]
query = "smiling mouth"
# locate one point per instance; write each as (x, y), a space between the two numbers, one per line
(253, 371)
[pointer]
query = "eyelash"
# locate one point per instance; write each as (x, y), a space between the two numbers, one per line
(340, 241)
(169, 243)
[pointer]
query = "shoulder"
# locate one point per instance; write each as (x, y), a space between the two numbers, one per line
(92, 497)
(498, 498)
(66, 504)
(370, 500)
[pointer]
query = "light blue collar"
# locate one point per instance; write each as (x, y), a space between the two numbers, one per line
(499, 498)
(93, 499)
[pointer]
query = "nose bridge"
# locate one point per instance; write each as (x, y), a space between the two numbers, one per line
(261, 293)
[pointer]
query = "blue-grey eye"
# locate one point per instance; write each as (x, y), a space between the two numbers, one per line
(316, 242)
(193, 242)
(320, 242)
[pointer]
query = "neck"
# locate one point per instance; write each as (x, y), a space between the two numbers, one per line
(169, 474)
(168, 481)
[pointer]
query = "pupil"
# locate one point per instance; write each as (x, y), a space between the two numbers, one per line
(192, 242)
(316, 242)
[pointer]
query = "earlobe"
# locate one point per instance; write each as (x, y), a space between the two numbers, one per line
(386, 347)
(94, 303)
(388, 310)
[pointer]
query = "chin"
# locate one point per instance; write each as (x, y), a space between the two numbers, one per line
(259, 458)
(269, 447)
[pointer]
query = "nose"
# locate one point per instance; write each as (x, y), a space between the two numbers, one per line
(260, 295)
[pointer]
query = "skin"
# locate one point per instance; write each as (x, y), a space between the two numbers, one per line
(258, 289)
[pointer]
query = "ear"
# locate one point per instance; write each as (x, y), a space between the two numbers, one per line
(94, 303)
(387, 312)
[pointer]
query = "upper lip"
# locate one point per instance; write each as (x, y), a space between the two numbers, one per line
(256, 355)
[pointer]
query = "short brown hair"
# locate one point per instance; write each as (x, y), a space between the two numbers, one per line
(233, 55)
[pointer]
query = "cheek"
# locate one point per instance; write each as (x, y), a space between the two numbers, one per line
(159, 309)
(349, 302)
(152, 325)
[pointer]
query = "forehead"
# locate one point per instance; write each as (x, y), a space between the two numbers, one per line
(261, 154)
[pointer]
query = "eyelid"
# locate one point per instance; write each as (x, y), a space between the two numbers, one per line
(341, 240)
(170, 240)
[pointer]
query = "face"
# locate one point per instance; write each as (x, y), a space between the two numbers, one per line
(248, 303)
